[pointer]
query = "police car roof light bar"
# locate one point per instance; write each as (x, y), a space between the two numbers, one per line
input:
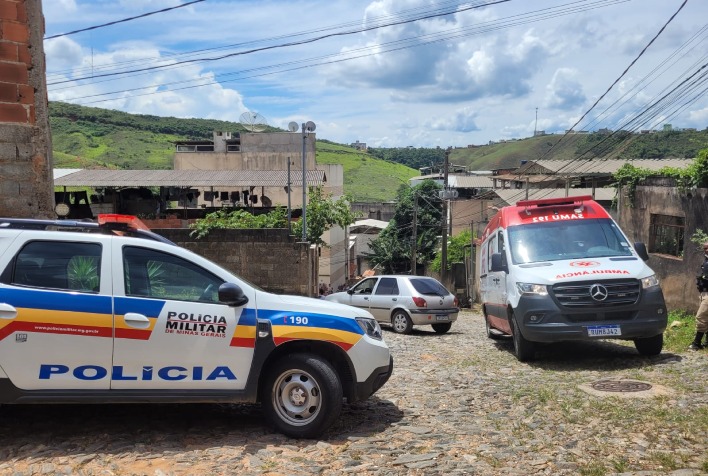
(117, 221)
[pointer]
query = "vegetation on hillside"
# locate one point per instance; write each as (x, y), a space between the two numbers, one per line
(410, 156)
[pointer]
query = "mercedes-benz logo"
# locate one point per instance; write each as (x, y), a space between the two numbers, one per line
(598, 292)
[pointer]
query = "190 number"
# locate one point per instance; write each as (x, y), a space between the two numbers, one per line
(297, 320)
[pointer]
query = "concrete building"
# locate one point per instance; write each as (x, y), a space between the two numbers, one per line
(269, 151)
(25, 140)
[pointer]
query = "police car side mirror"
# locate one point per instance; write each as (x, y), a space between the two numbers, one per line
(641, 250)
(499, 263)
(232, 294)
(350, 291)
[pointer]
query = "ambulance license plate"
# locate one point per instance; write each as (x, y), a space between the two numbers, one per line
(603, 331)
(442, 317)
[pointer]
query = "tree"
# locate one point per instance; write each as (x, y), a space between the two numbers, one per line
(391, 251)
(455, 251)
(322, 214)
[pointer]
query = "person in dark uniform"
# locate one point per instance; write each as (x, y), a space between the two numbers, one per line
(702, 314)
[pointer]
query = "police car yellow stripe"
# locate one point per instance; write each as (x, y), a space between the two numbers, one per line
(343, 339)
(62, 322)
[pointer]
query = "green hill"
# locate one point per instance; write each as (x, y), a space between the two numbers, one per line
(84, 137)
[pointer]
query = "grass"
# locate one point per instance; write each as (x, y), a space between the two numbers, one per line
(680, 331)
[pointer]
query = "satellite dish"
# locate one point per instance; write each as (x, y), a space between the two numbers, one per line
(310, 126)
(253, 121)
(292, 126)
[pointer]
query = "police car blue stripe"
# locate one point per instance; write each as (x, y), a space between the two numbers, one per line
(278, 317)
(248, 317)
(57, 301)
(147, 307)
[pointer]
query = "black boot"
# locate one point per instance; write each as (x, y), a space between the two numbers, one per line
(696, 344)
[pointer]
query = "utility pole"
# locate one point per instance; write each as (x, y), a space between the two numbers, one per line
(443, 269)
(414, 242)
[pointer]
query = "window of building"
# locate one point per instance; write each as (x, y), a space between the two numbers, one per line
(666, 234)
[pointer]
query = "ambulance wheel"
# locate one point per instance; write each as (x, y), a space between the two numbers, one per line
(524, 350)
(401, 323)
(442, 328)
(650, 345)
(302, 395)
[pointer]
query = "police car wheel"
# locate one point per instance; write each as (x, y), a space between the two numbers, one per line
(524, 350)
(302, 395)
(401, 323)
(650, 345)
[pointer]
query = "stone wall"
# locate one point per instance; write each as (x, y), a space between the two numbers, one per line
(676, 274)
(269, 258)
(26, 181)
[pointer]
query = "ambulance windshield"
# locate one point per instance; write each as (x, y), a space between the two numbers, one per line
(562, 240)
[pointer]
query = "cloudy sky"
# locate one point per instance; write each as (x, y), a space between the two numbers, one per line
(391, 73)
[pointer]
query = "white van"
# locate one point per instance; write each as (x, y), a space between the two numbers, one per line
(561, 269)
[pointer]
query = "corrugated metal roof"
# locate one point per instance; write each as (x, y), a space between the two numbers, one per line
(469, 181)
(602, 166)
(367, 223)
(188, 178)
(512, 196)
(62, 172)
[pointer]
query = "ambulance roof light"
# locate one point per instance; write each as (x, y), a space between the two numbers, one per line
(553, 201)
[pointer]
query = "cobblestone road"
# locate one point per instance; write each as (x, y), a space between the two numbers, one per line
(456, 404)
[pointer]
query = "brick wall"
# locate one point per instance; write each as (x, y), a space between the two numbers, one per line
(270, 258)
(26, 182)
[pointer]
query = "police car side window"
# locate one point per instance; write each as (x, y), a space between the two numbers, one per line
(154, 274)
(69, 266)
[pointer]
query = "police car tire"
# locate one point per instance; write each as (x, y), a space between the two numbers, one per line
(305, 376)
(524, 350)
(650, 345)
(401, 322)
(442, 328)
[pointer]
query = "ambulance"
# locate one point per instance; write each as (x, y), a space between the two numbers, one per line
(562, 270)
(110, 312)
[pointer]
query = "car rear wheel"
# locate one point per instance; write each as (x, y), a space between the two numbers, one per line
(650, 345)
(302, 395)
(442, 328)
(524, 350)
(401, 323)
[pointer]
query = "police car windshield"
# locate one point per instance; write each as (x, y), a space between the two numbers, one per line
(555, 241)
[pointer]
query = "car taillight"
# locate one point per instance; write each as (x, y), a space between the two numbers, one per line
(456, 302)
(420, 302)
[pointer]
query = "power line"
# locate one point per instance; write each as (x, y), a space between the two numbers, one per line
(432, 38)
(292, 43)
(122, 21)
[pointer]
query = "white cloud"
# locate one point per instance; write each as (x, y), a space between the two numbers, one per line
(565, 91)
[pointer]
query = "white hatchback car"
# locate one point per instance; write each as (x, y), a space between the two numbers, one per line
(403, 301)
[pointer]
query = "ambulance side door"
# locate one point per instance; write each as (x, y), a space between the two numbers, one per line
(494, 301)
(171, 332)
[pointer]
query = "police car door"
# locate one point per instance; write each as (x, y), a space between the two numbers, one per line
(171, 332)
(56, 318)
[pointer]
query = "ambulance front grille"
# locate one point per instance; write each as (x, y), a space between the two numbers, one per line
(580, 295)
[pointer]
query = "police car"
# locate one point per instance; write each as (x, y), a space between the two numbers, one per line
(109, 312)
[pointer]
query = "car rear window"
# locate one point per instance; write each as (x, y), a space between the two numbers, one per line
(428, 286)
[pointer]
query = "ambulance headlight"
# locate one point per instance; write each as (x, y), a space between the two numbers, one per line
(650, 281)
(370, 326)
(529, 288)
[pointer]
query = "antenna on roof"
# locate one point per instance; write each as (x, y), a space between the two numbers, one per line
(253, 121)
